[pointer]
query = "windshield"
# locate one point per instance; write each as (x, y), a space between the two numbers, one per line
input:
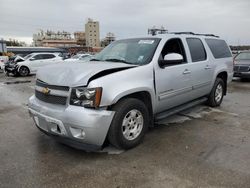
(243, 56)
(27, 56)
(76, 56)
(86, 58)
(131, 51)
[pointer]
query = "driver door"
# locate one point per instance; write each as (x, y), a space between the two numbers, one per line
(173, 82)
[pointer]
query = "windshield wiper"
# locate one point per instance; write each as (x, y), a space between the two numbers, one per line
(94, 60)
(118, 60)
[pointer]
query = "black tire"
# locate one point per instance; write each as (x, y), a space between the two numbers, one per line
(24, 71)
(123, 110)
(212, 100)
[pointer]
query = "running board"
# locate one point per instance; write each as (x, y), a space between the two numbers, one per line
(178, 109)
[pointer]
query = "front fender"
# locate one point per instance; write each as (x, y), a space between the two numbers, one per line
(131, 91)
(126, 82)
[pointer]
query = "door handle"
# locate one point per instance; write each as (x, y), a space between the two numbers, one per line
(186, 71)
(208, 67)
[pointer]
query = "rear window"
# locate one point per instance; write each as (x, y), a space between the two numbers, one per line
(218, 48)
(197, 49)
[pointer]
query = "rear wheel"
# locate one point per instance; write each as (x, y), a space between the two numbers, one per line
(24, 71)
(129, 124)
(216, 96)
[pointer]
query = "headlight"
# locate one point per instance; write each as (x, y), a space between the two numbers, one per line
(87, 97)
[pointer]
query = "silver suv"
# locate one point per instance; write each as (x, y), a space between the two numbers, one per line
(128, 86)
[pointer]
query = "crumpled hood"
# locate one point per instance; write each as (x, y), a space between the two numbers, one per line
(76, 74)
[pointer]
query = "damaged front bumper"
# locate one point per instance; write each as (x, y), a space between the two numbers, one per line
(11, 69)
(75, 126)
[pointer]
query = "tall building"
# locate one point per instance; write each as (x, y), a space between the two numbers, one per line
(92, 33)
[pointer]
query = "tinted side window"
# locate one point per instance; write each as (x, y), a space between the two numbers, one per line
(37, 57)
(197, 49)
(48, 56)
(218, 48)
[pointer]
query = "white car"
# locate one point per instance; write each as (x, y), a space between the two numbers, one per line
(34, 61)
(77, 57)
(3, 60)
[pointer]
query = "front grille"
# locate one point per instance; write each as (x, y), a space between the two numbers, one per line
(43, 84)
(51, 98)
(243, 69)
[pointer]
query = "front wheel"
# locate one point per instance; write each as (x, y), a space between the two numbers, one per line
(129, 124)
(24, 71)
(216, 96)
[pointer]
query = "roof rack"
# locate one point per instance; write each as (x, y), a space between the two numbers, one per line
(191, 33)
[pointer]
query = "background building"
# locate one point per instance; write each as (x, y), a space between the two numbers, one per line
(110, 37)
(92, 33)
(80, 38)
(53, 39)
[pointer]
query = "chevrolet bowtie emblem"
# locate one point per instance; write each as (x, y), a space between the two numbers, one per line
(46, 90)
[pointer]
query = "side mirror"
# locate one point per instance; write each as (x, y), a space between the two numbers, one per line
(32, 59)
(171, 59)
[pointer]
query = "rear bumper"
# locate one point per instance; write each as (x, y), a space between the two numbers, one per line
(75, 126)
(230, 77)
(242, 74)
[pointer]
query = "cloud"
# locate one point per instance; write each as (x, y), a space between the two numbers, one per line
(227, 18)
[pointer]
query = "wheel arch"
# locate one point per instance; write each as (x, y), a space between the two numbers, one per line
(143, 96)
(23, 66)
(224, 76)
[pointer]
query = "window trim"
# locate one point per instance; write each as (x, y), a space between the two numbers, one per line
(206, 56)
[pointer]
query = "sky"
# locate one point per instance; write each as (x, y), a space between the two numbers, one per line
(230, 19)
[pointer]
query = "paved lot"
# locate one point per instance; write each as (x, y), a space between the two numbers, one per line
(202, 147)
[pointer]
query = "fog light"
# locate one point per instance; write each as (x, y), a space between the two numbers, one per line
(77, 133)
(55, 128)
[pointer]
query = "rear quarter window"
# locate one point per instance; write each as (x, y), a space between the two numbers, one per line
(219, 48)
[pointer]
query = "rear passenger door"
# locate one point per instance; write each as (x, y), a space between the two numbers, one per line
(201, 67)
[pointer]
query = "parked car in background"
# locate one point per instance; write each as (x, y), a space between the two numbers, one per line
(3, 60)
(129, 85)
(242, 65)
(77, 57)
(31, 63)
(84, 59)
